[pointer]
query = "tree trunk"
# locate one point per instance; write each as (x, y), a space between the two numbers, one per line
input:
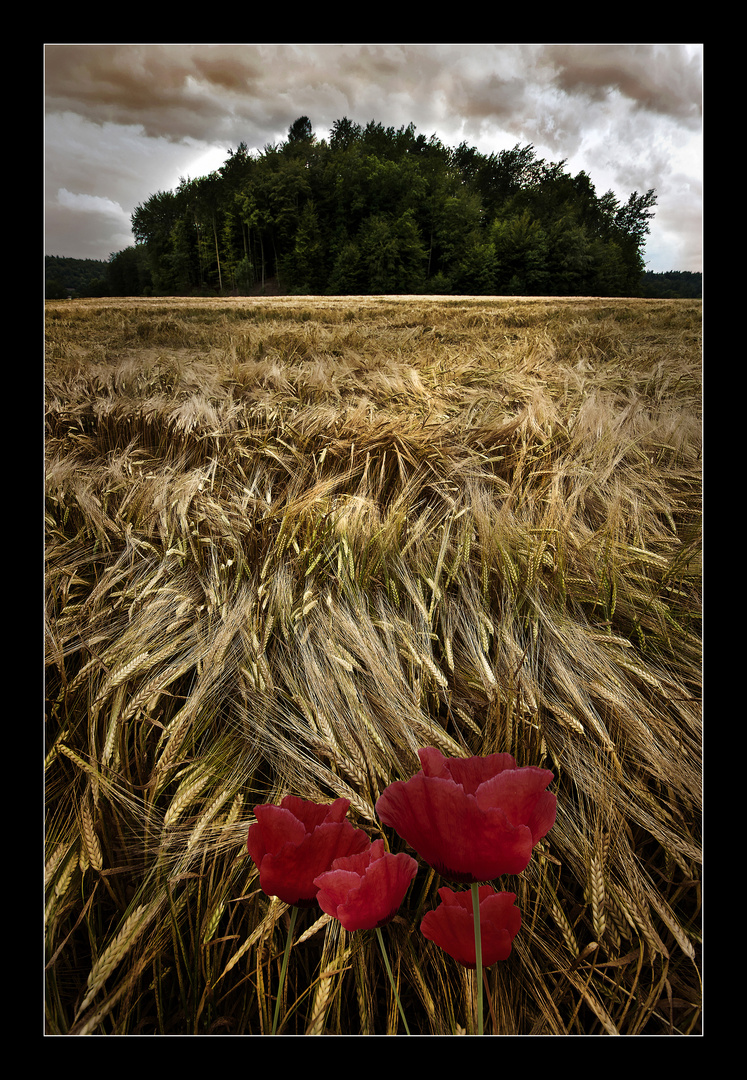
(217, 256)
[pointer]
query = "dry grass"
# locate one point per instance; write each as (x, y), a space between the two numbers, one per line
(290, 541)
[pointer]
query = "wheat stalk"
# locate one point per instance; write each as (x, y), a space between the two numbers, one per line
(596, 885)
(91, 843)
(131, 930)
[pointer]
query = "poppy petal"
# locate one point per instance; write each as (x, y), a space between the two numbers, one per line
(451, 832)
(451, 925)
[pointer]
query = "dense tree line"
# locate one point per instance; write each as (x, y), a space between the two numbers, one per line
(376, 209)
(65, 276)
(672, 285)
(126, 273)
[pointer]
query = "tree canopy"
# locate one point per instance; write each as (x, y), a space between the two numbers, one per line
(374, 209)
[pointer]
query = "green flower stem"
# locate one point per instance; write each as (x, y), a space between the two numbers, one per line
(391, 978)
(478, 953)
(294, 913)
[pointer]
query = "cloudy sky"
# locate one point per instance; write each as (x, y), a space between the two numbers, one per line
(124, 121)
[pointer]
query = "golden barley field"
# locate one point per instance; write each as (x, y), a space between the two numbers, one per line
(289, 541)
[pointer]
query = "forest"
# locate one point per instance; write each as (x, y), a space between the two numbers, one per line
(378, 210)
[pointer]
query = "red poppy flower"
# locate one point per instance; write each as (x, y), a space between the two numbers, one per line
(452, 925)
(295, 842)
(365, 891)
(471, 819)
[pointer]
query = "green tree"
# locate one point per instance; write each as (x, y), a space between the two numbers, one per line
(236, 171)
(568, 258)
(300, 133)
(207, 206)
(347, 276)
(630, 228)
(392, 254)
(521, 253)
(344, 134)
(609, 271)
(54, 290)
(256, 216)
(455, 226)
(235, 177)
(128, 272)
(243, 276)
(303, 270)
(475, 272)
(161, 225)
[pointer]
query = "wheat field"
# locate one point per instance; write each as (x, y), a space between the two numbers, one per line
(288, 541)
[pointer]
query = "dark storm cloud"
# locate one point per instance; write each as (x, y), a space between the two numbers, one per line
(204, 91)
(210, 93)
(153, 86)
(663, 80)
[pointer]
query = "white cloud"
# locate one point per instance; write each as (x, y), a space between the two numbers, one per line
(90, 204)
(83, 226)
